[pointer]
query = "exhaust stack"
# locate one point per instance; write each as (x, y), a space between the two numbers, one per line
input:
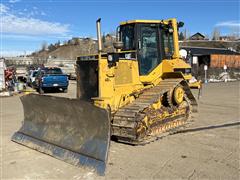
(99, 35)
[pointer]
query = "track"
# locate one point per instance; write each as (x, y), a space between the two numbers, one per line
(140, 123)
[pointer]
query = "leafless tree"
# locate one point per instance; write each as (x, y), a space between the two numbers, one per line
(185, 34)
(44, 46)
(235, 32)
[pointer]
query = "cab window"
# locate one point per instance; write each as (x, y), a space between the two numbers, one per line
(127, 37)
(168, 48)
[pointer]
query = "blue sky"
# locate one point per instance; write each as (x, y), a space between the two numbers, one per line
(25, 24)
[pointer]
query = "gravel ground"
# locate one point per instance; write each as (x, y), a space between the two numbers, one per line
(209, 152)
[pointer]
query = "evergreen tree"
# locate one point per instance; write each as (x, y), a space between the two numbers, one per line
(181, 36)
(103, 38)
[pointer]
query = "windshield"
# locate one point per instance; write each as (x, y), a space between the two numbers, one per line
(53, 71)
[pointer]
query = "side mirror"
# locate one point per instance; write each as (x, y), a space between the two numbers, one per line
(180, 24)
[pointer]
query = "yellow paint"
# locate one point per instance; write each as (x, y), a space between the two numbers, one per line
(178, 94)
(146, 21)
(157, 105)
(116, 83)
(195, 85)
(121, 83)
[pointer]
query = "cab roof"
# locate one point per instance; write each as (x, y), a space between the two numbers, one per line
(144, 21)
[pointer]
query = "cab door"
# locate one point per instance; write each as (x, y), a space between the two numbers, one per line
(148, 47)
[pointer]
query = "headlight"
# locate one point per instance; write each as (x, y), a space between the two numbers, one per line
(170, 30)
(128, 56)
(188, 71)
(110, 57)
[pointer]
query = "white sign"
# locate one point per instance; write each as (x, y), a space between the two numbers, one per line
(205, 67)
(195, 60)
(225, 67)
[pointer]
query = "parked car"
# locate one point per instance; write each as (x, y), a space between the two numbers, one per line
(31, 77)
(51, 78)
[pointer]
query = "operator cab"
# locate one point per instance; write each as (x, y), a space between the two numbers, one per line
(152, 41)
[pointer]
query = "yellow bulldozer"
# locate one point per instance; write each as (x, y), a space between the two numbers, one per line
(133, 95)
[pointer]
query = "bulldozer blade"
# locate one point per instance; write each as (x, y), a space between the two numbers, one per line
(71, 130)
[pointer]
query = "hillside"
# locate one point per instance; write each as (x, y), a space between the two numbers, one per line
(74, 48)
(86, 46)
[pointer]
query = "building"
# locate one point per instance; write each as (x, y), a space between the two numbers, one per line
(227, 38)
(212, 57)
(197, 36)
(19, 60)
